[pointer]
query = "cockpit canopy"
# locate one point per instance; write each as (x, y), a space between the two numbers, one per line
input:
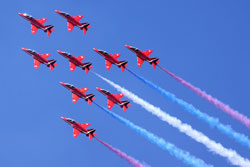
(71, 120)
(104, 52)
(67, 84)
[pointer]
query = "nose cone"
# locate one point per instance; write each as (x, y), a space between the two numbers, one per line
(98, 88)
(63, 118)
(21, 14)
(127, 46)
(59, 51)
(24, 49)
(95, 49)
(62, 83)
(57, 11)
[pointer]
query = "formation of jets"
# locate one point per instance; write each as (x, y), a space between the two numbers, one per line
(71, 20)
(74, 62)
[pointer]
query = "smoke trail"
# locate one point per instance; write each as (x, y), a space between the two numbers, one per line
(217, 148)
(171, 148)
(213, 122)
(235, 114)
(123, 155)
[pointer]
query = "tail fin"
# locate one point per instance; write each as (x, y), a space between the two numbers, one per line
(91, 133)
(87, 69)
(154, 61)
(90, 98)
(85, 27)
(125, 105)
(122, 65)
(52, 64)
(49, 29)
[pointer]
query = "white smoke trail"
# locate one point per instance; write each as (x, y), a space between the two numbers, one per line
(233, 157)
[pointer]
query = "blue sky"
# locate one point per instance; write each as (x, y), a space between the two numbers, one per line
(206, 43)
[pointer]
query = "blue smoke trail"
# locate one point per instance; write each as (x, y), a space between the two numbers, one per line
(213, 122)
(171, 148)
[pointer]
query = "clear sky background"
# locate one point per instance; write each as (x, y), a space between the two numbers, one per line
(204, 42)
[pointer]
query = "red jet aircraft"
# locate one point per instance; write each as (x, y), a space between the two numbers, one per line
(114, 99)
(112, 59)
(76, 61)
(80, 128)
(41, 58)
(76, 93)
(37, 24)
(143, 56)
(74, 21)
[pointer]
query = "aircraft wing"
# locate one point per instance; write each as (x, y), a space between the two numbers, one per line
(36, 63)
(118, 96)
(110, 104)
(80, 58)
(85, 125)
(147, 52)
(46, 55)
(72, 66)
(33, 29)
(75, 133)
(116, 56)
(42, 20)
(108, 64)
(70, 27)
(74, 98)
(78, 18)
(83, 90)
(139, 61)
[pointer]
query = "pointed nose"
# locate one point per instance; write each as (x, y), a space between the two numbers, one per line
(62, 83)
(95, 49)
(63, 118)
(59, 51)
(98, 88)
(20, 14)
(57, 11)
(127, 46)
(24, 49)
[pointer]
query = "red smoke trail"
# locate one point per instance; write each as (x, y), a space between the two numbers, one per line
(122, 154)
(235, 114)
